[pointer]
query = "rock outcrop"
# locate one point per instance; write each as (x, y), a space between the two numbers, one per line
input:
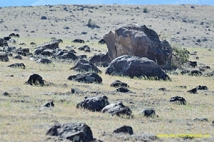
(138, 40)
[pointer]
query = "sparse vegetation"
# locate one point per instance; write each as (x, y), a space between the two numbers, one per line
(145, 10)
(179, 56)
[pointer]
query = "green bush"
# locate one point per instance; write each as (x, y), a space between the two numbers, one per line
(145, 10)
(179, 56)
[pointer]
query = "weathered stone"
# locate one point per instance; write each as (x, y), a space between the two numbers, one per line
(85, 66)
(76, 132)
(17, 65)
(49, 104)
(133, 66)
(148, 112)
(44, 61)
(124, 129)
(118, 109)
(87, 78)
(178, 100)
(35, 79)
(122, 90)
(100, 60)
(4, 57)
(137, 40)
(93, 103)
(118, 83)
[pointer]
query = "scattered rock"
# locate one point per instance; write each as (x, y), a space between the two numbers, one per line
(76, 132)
(123, 90)
(4, 58)
(162, 89)
(179, 100)
(87, 78)
(133, 66)
(102, 41)
(85, 48)
(200, 119)
(148, 112)
(6, 94)
(44, 61)
(118, 109)
(195, 73)
(49, 104)
(193, 91)
(43, 18)
(118, 83)
(85, 66)
(93, 103)
(78, 41)
(35, 79)
(201, 87)
(102, 60)
(17, 65)
(18, 57)
(124, 129)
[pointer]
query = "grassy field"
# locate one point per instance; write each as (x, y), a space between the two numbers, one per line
(23, 118)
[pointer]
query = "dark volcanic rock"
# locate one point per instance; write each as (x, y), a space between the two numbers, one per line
(102, 41)
(202, 87)
(35, 79)
(118, 109)
(76, 132)
(178, 100)
(85, 48)
(133, 66)
(17, 65)
(78, 41)
(4, 57)
(123, 90)
(118, 83)
(148, 112)
(49, 104)
(195, 73)
(100, 60)
(93, 103)
(193, 91)
(44, 61)
(124, 129)
(87, 78)
(18, 57)
(85, 66)
(3, 42)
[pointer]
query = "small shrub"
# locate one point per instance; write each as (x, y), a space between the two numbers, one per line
(179, 56)
(145, 10)
(92, 24)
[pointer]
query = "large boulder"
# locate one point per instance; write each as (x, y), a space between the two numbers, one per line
(85, 66)
(133, 66)
(47, 48)
(93, 103)
(76, 132)
(138, 40)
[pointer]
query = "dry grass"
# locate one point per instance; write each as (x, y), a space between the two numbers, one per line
(23, 118)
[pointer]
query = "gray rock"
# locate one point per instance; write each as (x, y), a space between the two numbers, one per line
(44, 61)
(87, 78)
(178, 100)
(133, 66)
(36, 79)
(93, 103)
(117, 108)
(118, 83)
(17, 65)
(76, 132)
(85, 66)
(148, 112)
(124, 129)
(100, 60)
(4, 57)
(122, 90)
